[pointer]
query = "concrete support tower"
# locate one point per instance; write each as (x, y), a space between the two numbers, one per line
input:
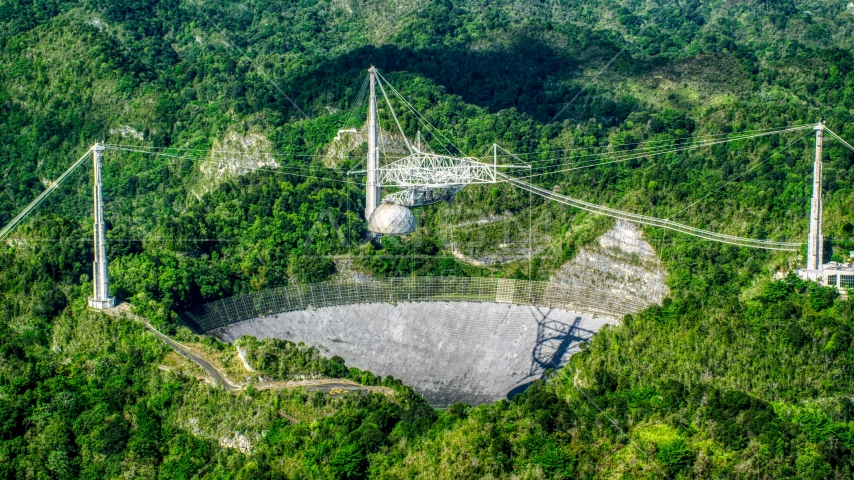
(372, 197)
(815, 245)
(100, 277)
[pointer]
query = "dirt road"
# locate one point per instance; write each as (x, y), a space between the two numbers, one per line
(332, 386)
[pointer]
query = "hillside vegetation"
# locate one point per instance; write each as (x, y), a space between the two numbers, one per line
(734, 376)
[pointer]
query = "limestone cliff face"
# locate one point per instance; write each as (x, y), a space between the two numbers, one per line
(621, 263)
(232, 155)
(348, 140)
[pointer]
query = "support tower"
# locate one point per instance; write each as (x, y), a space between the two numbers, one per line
(100, 277)
(372, 197)
(815, 244)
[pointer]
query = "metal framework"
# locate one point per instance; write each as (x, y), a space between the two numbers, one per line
(420, 173)
(840, 275)
(429, 170)
(424, 177)
(419, 197)
(408, 289)
(100, 274)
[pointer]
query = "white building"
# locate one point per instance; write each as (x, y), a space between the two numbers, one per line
(839, 274)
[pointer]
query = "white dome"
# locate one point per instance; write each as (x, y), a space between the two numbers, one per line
(391, 219)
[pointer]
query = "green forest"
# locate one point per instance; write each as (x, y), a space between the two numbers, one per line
(735, 375)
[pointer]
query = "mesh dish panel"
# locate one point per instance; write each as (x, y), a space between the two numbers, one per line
(292, 298)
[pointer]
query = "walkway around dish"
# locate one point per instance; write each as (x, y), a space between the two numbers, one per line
(332, 386)
(291, 298)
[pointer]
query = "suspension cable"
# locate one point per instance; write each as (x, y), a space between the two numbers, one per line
(419, 116)
(659, 149)
(394, 116)
(356, 101)
(634, 156)
(839, 138)
(647, 220)
(35, 203)
(770, 156)
(282, 170)
(707, 137)
(208, 150)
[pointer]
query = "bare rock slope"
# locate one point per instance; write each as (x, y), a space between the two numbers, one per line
(621, 264)
(233, 155)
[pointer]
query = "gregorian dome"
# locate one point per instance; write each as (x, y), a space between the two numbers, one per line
(392, 219)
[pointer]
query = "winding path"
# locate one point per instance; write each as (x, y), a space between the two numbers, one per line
(212, 371)
(332, 386)
(123, 310)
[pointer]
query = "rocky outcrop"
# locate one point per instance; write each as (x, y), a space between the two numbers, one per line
(620, 264)
(237, 441)
(233, 155)
(126, 131)
(350, 139)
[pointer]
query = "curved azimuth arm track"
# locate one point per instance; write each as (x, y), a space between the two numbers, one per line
(419, 197)
(35, 203)
(645, 220)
